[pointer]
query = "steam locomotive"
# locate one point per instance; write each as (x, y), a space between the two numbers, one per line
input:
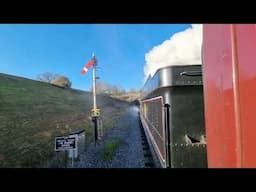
(179, 107)
(172, 115)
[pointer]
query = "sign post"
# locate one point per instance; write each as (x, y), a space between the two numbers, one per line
(66, 144)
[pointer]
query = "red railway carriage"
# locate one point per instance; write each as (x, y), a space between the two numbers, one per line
(229, 76)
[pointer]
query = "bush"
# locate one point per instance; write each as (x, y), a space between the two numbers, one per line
(47, 77)
(62, 82)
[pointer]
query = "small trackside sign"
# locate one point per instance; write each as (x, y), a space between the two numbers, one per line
(65, 143)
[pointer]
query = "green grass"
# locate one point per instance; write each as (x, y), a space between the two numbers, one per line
(33, 113)
(109, 149)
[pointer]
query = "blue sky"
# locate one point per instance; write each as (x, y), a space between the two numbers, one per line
(30, 49)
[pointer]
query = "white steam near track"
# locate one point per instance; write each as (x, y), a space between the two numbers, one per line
(183, 48)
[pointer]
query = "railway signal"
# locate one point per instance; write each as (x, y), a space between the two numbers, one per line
(95, 112)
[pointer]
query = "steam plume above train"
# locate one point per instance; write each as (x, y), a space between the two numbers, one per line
(183, 48)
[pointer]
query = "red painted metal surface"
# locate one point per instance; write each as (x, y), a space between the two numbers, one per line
(218, 96)
(229, 59)
(246, 49)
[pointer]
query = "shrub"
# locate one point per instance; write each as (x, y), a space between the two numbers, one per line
(62, 82)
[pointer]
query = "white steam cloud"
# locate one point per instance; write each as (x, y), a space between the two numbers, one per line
(183, 48)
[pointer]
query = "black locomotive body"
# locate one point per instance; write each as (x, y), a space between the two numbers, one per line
(172, 115)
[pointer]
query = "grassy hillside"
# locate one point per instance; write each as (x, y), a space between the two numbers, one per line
(129, 96)
(32, 113)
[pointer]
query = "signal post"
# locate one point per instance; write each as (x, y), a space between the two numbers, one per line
(95, 112)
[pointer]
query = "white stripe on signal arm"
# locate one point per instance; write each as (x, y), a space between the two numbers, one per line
(85, 69)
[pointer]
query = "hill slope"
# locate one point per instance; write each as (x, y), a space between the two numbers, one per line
(130, 96)
(32, 113)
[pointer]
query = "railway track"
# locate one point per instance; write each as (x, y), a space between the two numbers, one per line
(148, 159)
